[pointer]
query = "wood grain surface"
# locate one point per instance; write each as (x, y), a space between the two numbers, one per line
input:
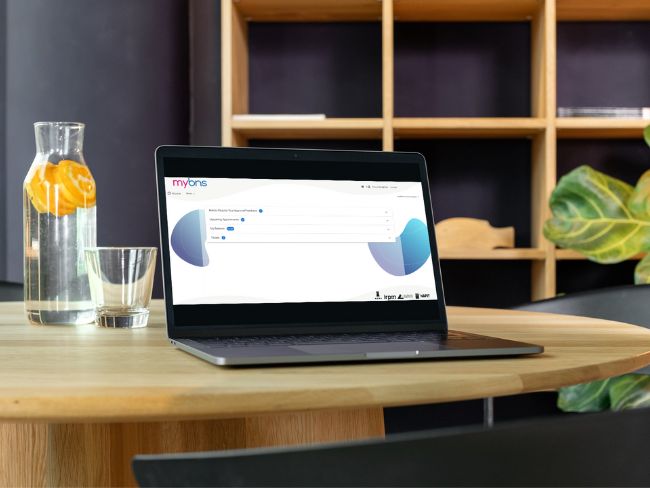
(77, 403)
(100, 454)
(89, 374)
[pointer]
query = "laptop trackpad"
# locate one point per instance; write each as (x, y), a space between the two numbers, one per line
(365, 347)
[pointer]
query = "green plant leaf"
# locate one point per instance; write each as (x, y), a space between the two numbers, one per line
(587, 397)
(629, 391)
(642, 272)
(590, 215)
(619, 393)
(646, 135)
(639, 201)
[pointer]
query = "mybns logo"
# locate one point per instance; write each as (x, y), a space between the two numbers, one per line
(184, 183)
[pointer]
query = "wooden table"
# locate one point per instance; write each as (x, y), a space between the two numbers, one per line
(76, 403)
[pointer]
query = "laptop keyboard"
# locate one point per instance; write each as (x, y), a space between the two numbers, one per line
(292, 340)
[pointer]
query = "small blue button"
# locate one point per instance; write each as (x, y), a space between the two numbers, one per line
(261, 210)
(243, 219)
(230, 228)
(223, 237)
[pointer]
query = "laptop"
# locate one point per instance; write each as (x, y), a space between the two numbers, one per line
(277, 256)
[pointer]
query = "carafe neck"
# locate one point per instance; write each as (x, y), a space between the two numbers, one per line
(59, 140)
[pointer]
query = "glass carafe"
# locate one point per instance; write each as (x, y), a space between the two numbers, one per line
(59, 217)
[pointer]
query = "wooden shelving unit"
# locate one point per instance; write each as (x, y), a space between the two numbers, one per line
(542, 127)
(569, 255)
(521, 253)
(603, 10)
(310, 129)
(599, 128)
(463, 10)
(306, 10)
(430, 127)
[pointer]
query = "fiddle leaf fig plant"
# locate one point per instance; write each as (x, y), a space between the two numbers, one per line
(642, 272)
(639, 203)
(591, 215)
(620, 393)
(602, 217)
(608, 221)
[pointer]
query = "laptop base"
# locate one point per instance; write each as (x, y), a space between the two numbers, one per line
(345, 347)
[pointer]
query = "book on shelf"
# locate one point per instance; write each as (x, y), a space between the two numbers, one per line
(611, 112)
(283, 117)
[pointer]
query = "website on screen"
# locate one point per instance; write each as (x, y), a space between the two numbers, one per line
(281, 241)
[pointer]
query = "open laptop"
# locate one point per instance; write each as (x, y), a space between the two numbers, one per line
(277, 256)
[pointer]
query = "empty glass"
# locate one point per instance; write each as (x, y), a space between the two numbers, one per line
(121, 279)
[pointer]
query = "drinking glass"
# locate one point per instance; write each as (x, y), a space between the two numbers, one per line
(121, 279)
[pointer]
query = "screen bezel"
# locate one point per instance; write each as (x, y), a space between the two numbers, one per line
(402, 316)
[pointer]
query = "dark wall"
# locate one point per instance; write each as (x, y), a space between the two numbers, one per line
(460, 69)
(3, 172)
(120, 66)
(292, 69)
(205, 72)
(603, 64)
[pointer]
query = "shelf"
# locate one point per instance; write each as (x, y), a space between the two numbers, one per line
(416, 71)
(440, 10)
(310, 129)
(467, 127)
(597, 127)
(437, 127)
(570, 255)
(464, 10)
(603, 10)
(493, 254)
(309, 10)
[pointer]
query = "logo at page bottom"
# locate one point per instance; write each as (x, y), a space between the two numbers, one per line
(188, 238)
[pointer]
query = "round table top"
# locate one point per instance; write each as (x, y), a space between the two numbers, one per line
(86, 373)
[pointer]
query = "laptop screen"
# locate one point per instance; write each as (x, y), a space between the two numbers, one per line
(241, 236)
(236, 240)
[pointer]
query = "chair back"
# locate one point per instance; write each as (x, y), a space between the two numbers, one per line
(605, 449)
(630, 303)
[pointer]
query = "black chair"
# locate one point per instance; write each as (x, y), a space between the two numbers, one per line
(10, 292)
(605, 449)
(628, 303)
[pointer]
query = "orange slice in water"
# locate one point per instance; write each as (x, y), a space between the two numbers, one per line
(33, 188)
(45, 194)
(76, 183)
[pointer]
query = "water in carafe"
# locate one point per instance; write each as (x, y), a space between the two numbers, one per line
(59, 214)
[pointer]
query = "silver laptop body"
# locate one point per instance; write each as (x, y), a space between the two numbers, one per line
(275, 256)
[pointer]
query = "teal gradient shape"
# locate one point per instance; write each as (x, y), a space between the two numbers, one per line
(188, 238)
(407, 254)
